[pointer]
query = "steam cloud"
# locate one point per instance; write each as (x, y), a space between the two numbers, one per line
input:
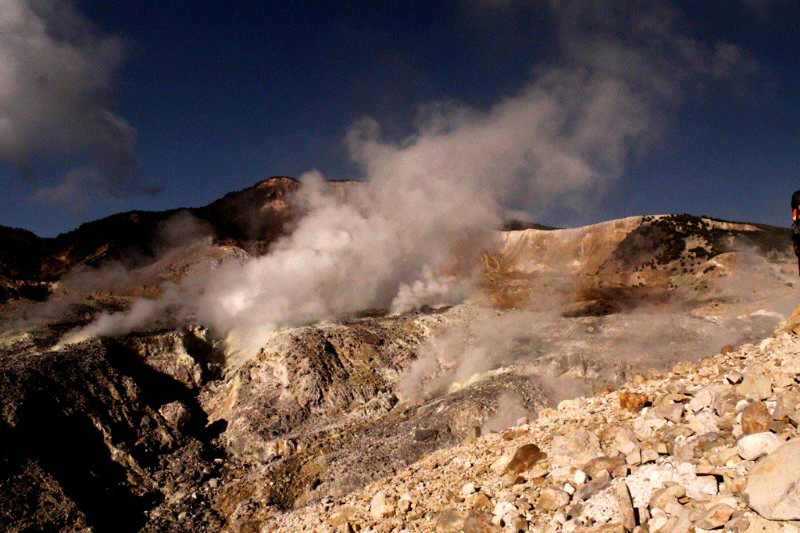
(410, 234)
(56, 76)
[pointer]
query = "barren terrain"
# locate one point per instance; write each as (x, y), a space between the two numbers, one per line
(166, 427)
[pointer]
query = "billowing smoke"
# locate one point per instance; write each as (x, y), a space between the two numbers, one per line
(509, 410)
(385, 249)
(410, 236)
(56, 78)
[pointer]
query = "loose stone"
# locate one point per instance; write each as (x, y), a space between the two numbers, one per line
(755, 418)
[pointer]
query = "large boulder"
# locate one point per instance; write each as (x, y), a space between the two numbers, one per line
(773, 485)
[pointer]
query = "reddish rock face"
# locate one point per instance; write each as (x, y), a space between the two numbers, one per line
(632, 401)
(755, 418)
(524, 458)
(255, 217)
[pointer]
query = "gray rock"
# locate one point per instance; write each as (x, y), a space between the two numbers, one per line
(425, 435)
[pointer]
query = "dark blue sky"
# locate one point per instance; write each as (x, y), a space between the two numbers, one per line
(221, 95)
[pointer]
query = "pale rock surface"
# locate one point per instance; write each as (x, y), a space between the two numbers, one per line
(694, 466)
(773, 484)
(754, 445)
(715, 517)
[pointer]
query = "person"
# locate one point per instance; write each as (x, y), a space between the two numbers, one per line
(796, 226)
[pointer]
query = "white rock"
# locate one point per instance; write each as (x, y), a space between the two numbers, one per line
(741, 404)
(602, 507)
(686, 469)
(658, 522)
(647, 480)
(501, 510)
(379, 507)
(467, 489)
(753, 446)
(704, 422)
(645, 428)
(701, 400)
(773, 485)
(702, 488)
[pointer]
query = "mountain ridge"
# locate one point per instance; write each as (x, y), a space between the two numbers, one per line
(250, 219)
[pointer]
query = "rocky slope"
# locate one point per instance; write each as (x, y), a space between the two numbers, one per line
(708, 445)
(92, 436)
(618, 265)
(174, 433)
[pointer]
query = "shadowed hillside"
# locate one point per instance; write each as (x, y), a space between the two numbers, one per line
(251, 219)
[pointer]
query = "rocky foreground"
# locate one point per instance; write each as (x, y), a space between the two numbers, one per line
(711, 445)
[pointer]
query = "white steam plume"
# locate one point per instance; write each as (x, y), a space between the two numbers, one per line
(56, 76)
(431, 198)
(342, 257)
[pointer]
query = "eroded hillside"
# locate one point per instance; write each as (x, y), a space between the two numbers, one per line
(176, 431)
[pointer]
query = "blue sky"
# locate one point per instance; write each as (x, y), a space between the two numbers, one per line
(174, 104)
